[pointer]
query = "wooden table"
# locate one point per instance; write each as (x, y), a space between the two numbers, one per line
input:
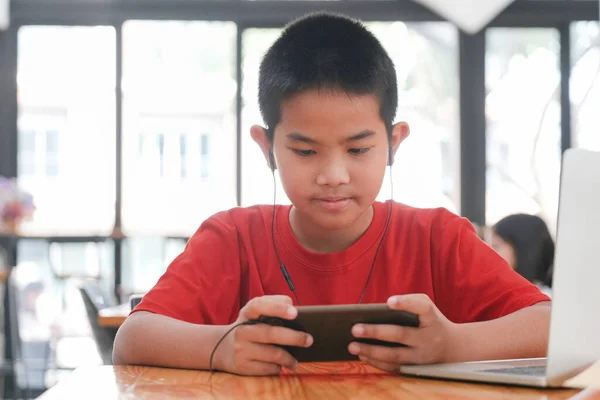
(311, 381)
(4, 274)
(113, 317)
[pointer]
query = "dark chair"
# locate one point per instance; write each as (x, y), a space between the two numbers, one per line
(95, 299)
(135, 299)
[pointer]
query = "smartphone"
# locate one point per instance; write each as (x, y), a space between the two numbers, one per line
(331, 328)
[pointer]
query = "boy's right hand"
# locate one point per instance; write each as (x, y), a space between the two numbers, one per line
(252, 349)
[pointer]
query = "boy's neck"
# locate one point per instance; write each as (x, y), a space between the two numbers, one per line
(318, 240)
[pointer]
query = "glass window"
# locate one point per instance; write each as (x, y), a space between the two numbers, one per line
(523, 122)
(257, 182)
(66, 121)
(426, 167)
(51, 312)
(27, 153)
(179, 154)
(49, 262)
(183, 155)
(52, 153)
(145, 259)
(427, 164)
(585, 84)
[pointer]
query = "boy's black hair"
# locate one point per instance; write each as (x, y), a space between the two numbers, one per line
(533, 245)
(326, 51)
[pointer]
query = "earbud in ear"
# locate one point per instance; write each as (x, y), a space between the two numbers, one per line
(271, 160)
(391, 155)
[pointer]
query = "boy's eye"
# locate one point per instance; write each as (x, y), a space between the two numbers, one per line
(358, 151)
(304, 152)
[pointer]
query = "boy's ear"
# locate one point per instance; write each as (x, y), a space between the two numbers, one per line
(259, 135)
(400, 131)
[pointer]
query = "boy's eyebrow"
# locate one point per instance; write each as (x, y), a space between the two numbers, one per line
(298, 137)
(362, 135)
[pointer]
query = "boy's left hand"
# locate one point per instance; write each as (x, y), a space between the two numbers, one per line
(429, 343)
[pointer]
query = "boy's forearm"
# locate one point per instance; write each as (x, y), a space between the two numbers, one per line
(522, 334)
(151, 339)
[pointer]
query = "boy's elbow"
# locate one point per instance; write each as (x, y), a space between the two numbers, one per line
(120, 354)
(124, 347)
(118, 357)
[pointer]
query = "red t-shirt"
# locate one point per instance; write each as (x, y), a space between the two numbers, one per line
(230, 260)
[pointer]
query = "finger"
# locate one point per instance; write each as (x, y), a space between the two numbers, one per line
(389, 333)
(271, 354)
(263, 333)
(419, 304)
(397, 355)
(274, 306)
(278, 298)
(394, 368)
(260, 368)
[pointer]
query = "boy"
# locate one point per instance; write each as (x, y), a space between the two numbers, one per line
(328, 95)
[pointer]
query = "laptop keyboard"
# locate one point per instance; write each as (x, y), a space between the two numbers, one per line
(529, 371)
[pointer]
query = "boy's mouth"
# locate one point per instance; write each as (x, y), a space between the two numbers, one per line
(334, 203)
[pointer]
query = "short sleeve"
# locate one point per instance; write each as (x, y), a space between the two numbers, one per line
(202, 285)
(471, 281)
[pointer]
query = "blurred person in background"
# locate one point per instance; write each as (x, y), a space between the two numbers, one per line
(524, 241)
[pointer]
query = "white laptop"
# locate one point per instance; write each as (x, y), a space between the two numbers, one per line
(574, 342)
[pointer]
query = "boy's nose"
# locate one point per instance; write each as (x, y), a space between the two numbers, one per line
(333, 174)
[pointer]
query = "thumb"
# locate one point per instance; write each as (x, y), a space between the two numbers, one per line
(419, 304)
(279, 298)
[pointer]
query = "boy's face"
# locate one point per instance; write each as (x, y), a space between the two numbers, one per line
(331, 150)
